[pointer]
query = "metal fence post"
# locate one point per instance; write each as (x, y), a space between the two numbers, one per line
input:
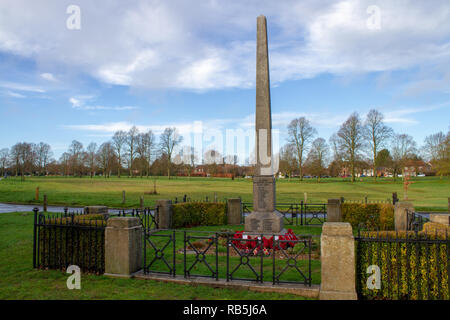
(35, 210)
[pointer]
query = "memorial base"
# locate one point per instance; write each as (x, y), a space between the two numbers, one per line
(265, 223)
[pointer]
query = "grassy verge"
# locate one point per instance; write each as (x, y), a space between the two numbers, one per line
(426, 193)
(18, 280)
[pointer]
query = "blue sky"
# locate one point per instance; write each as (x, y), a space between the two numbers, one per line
(170, 63)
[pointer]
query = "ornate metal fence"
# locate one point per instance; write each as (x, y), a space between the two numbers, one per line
(298, 214)
(414, 221)
(222, 255)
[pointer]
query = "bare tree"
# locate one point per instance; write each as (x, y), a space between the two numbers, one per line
(118, 142)
(105, 158)
(145, 149)
(23, 156)
(131, 142)
(317, 157)
(168, 140)
(91, 153)
(4, 160)
(65, 161)
(437, 151)
(43, 155)
(351, 140)
(403, 148)
(75, 151)
(288, 161)
(300, 134)
(377, 135)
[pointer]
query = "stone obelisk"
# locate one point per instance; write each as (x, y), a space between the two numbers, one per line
(264, 218)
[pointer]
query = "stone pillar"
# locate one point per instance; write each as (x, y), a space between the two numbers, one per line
(234, 211)
(123, 246)
(337, 262)
(334, 210)
(400, 217)
(164, 214)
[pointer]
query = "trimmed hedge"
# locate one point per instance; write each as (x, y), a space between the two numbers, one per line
(72, 241)
(373, 215)
(410, 270)
(191, 214)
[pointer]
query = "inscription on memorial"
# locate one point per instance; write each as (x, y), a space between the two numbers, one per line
(267, 225)
(254, 224)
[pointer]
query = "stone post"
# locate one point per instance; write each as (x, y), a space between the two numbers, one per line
(442, 218)
(394, 198)
(123, 246)
(45, 203)
(400, 217)
(337, 262)
(164, 214)
(334, 210)
(234, 211)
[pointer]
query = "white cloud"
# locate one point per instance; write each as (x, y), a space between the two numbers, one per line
(80, 103)
(14, 94)
(21, 87)
(209, 45)
(48, 76)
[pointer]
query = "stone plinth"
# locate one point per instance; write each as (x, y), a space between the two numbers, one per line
(334, 210)
(442, 218)
(123, 246)
(234, 211)
(337, 262)
(400, 216)
(164, 214)
(264, 218)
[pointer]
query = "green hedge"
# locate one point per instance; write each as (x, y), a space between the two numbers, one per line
(409, 270)
(190, 214)
(372, 215)
(78, 241)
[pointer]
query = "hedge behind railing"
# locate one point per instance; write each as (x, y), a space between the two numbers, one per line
(190, 214)
(375, 216)
(413, 266)
(77, 240)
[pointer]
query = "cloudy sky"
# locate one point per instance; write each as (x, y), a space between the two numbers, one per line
(170, 63)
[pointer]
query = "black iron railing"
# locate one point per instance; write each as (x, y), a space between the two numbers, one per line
(222, 255)
(415, 221)
(410, 265)
(147, 216)
(69, 238)
(298, 214)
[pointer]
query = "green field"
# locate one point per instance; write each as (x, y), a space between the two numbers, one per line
(427, 193)
(18, 279)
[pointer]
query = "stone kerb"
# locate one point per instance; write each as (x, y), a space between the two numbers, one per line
(164, 214)
(337, 262)
(442, 218)
(96, 210)
(334, 210)
(123, 246)
(234, 211)
(400, 215)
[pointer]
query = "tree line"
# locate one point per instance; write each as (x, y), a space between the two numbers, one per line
(360, 145)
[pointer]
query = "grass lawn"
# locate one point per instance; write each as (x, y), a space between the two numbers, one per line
(18, 280)
(426, 193)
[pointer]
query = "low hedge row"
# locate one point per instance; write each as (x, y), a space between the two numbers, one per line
(373, 215)
(77, 240)
(410, 270)
(190, 214)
